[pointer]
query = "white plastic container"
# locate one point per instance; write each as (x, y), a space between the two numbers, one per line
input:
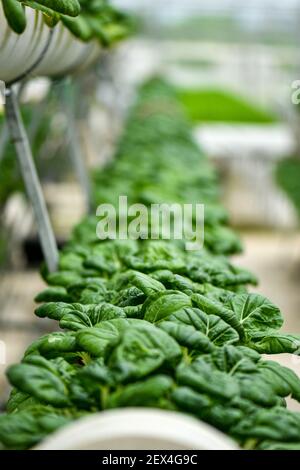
(138, 429)
(18, 53)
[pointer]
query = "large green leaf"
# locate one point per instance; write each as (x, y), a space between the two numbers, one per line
(162, 304)
(63, 278)
(188, 337)
(276, 424)
(269, 445)
(129, 297)
(148, 392)
(233, 360)
(259, 382)
(276, 343)
(95, 340)
(19, 401)
(156, 256)
(15, 15)
(204, 378)
(26, 428)
(91, 315)
(78, 26)
(213, 307)
(177, 282)
(283, 380)
(191, 401)
(44, 384)
(255, 313)
(216, 329)
(88, 291)
(76, 316)
(56, 310)
(143, 349)
(70, 261)
(53, 345)
(147, 284)
(53, 294)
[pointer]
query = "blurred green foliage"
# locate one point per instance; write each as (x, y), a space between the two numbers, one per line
(231, 29)
(288, 178)
(212, 104)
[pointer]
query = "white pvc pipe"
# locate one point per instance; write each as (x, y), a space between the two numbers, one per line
(18, 53)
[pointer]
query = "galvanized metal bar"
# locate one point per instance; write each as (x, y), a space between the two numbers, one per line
(20, 140)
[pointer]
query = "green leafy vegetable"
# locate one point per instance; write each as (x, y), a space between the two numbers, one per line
(255, 312)
(95, 340)
(25, 429)
(159, 306)
(143, 349)
(15, 15)
(147, 322)
(145, 393)
(41, 379)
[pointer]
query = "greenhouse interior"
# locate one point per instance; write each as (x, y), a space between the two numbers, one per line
(150, 236)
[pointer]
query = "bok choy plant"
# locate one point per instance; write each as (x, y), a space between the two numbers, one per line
(147, 323)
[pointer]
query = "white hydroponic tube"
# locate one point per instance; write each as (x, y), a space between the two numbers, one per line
(138, 429)
(65, 53)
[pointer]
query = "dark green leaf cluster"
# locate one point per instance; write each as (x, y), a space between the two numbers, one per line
(85, 19)
(147, 323)
(168, 168)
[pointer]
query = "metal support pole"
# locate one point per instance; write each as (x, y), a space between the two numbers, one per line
(20, 140)
(69, 96)
(4, 136)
